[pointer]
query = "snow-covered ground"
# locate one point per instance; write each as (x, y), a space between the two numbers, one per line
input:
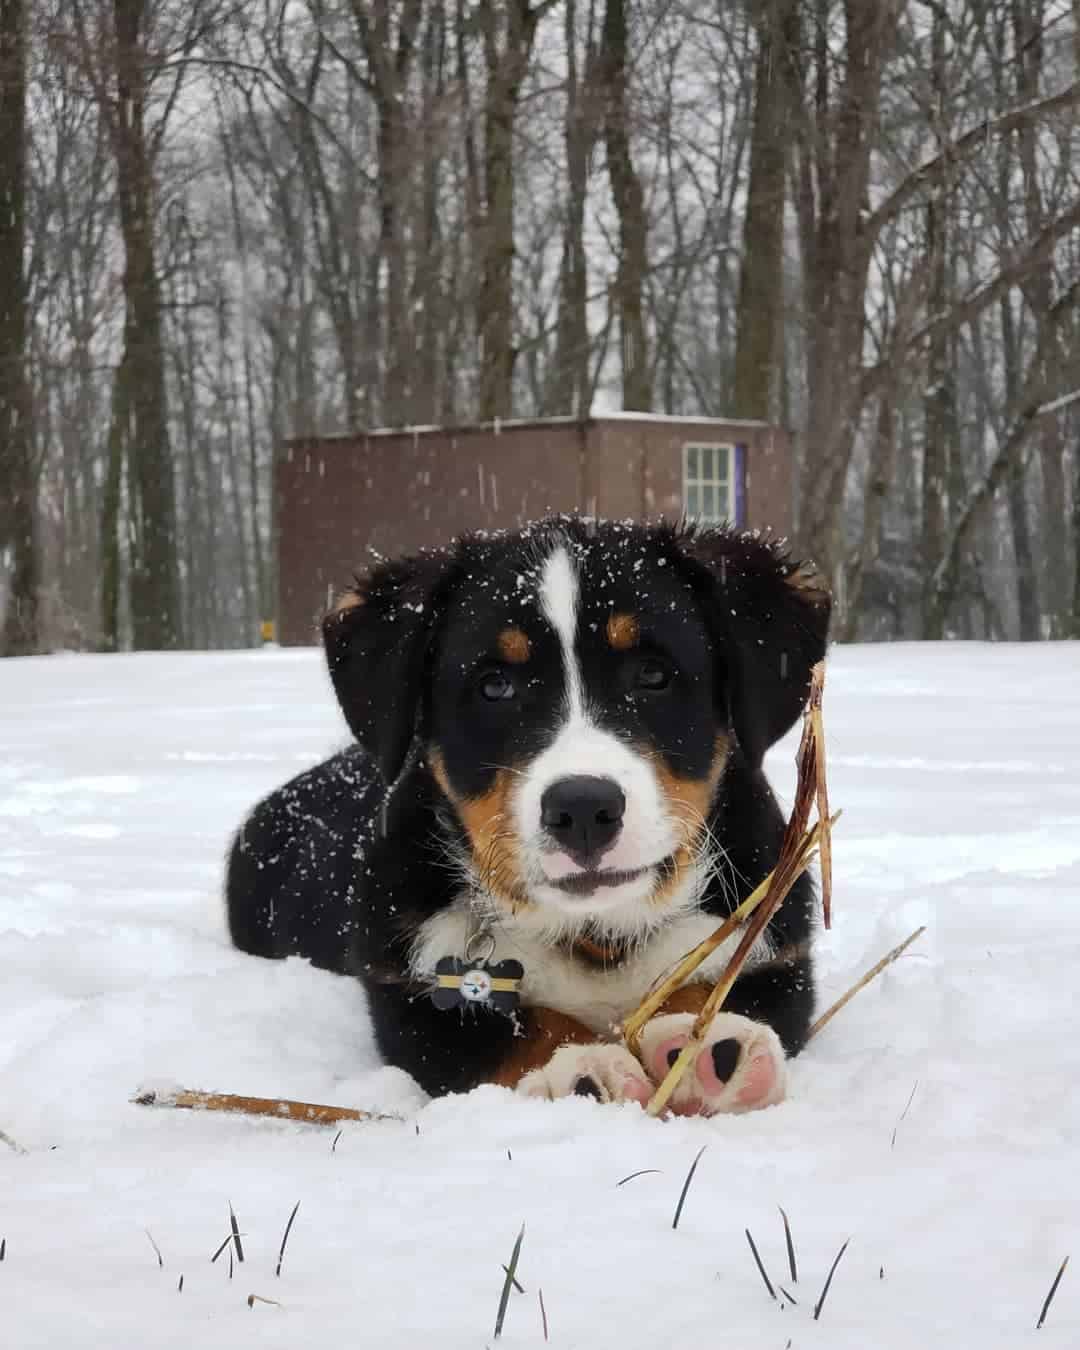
(958, 770)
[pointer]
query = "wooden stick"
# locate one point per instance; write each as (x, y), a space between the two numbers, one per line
(765, 909)
(871, 974)
(796, 851)
(821, 789)
(12, 1144)
(634, 1025)
(280, 1108)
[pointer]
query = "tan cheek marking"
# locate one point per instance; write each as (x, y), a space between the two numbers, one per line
(514, 646)
(547, 1030)
(494, 844)
(689, 801)
(353, 598)
(623, 632)
(806, 580)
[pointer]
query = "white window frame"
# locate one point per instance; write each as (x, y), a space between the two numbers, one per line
(708, 474)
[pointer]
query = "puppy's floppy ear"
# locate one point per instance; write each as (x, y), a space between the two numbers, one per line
(772, 615)
(377, 640)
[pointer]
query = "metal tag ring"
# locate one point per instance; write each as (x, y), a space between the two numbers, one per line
(477, 954)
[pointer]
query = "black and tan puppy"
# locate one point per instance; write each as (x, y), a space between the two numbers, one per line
(557, 791)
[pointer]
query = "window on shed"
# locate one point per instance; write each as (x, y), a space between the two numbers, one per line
(709, 483)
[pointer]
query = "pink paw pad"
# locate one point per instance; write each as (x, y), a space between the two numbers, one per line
(759, 1082)
(741, 1066)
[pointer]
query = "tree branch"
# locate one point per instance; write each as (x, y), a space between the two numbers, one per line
(931, 173)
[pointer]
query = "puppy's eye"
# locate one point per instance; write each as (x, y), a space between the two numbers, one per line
(653, 675)
(496, 686)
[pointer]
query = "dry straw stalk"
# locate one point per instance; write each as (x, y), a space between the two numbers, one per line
(799, 846)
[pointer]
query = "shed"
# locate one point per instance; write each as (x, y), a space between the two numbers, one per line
(397, 490)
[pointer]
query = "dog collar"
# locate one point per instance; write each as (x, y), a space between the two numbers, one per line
(596, 953)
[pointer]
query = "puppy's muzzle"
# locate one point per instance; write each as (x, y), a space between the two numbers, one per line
(583, 816)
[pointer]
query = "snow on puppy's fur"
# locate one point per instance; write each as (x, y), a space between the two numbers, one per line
(573, 719)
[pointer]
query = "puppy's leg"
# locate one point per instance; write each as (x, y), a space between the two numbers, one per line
(608, 1073)
(454, 1050)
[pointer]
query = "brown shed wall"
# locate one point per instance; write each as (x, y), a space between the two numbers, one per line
(396, 492)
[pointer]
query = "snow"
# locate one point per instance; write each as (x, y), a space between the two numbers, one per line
(958, 770)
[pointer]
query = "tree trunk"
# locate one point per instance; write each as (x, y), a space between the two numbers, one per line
(155, 588)
(389, 59)
(629, 199)
(1024, 554)
(938, 420)
(761, 277)
(832, 186)
(18, 518)
(1028, 19)
(879, 484)
(507, 63)
(569, 390)
(1074, 421)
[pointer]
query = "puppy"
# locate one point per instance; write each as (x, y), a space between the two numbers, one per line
(556, 792)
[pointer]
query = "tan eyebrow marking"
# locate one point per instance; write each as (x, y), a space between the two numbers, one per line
(514, 646)
(349, 599)
(623, 632)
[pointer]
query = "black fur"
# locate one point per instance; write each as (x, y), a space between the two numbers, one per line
(343, 864)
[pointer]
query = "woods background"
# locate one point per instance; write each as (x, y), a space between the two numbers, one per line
(227, 222)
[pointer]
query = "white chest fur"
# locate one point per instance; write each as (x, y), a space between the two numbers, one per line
(597, 997)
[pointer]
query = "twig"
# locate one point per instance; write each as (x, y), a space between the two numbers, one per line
(157, 1249)
(828, 1280)
(227, 1239)
(180, 1285)
(816, 748)
(12, 1144)
(634, 1025)
(645, 1171)
(543, 1312)
(903, 1113)
(796, 852)
(1050, 1295)
(760, 1266)
(516, 1282)
(252, 1299)
(686, 1186)
(886, 960)
(282, 1108)
(511, 1270)
(790, 1248)
(284, 1239)
(236, 1234)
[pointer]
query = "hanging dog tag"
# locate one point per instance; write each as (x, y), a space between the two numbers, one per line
(461, 984)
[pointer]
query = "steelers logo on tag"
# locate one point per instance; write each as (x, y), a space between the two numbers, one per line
(491, 986)
(476, 986)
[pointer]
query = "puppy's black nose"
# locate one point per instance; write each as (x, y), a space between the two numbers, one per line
(583, 815)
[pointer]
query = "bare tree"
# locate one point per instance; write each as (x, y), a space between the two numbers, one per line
(632, 259)
(761, 281)
(18, 485)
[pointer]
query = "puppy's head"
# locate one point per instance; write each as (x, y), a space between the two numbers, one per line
(577, 690)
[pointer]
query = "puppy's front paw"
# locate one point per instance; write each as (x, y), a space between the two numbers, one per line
(608, 1073)
(741, 1066)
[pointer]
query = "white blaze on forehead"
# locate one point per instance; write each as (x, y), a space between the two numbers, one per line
(559, 604)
